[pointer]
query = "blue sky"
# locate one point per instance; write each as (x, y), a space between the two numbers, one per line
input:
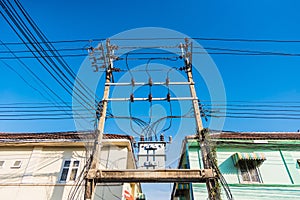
(254, 78)
(246, 78)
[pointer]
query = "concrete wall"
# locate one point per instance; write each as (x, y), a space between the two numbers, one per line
(38, 177)
(39, 173)
(9, 155)
(113, 157)
(251, 192)
(273, 165)
(280, 172)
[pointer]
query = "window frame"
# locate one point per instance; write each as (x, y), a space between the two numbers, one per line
(70, 168)
(2, 163)
(249, 172)
(16, 166)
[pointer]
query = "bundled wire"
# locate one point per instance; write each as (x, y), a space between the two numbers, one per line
(50, 65)
(170, 104)
(219, 174)
(139, 122)
(148, 134)
(154, 126)
(254, 110)
(79, 181)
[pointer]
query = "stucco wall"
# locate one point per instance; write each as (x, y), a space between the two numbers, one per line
(280, 172)
(251, 192)
(272, 165)
(39, 175)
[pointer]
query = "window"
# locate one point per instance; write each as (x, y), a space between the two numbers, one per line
(1, 163)
(69, 170)
(248, 164)
(249, 171)
(17, 164)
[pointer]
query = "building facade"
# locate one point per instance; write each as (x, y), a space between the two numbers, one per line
(255, 165)
(52, 166)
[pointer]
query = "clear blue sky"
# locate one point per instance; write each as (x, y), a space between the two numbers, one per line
(246, 78)
(255, 78)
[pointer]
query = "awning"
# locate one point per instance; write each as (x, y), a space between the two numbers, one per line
(248, 156)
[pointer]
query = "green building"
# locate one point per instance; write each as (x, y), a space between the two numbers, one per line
(255, 165)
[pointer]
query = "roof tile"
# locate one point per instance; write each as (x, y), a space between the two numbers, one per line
(59, 135)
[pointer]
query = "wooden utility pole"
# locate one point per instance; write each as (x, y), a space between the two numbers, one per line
(96, 175)
(211, 183)
(95, 162)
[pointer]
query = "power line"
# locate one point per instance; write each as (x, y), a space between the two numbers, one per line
(27, 51)
(223, 51)
(213, 103)
(253, 113)
(251, 101)
(240, 53)
(60, 41)
(251, 105)
(22, 78)
(254, 117)
(44, 118)
(40, 111)
(39, 81)
(215, 39)
(20, 24)
(246, 40)
(39, 115)
(35, 77)
(253, 109)
(53, 50)
(9, 106)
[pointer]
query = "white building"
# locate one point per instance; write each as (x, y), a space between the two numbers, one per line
(52, 166)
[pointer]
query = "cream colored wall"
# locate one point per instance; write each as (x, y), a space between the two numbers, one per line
(49, 166)
(113, 157)
(10, 155)
(38, 176)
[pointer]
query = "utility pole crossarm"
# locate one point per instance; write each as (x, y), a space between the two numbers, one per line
(154, 176)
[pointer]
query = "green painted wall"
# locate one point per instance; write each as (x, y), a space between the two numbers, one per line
(252, 193)
(273, 170)
(279, 172)
(194, 155)
(291, 164)
(229, 171)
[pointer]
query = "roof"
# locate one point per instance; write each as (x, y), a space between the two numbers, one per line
(257, 135)
(69, 135)
(253, 135)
